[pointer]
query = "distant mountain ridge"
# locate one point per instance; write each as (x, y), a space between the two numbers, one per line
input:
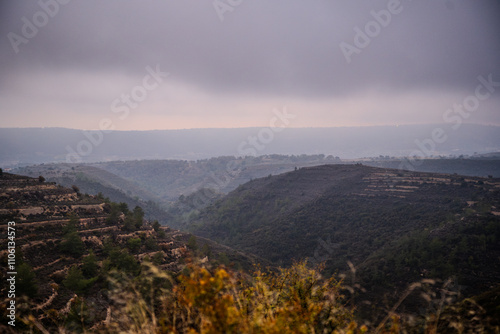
(25, 146)
(171, 190)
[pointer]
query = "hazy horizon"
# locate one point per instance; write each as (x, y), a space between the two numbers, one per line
(247, 127)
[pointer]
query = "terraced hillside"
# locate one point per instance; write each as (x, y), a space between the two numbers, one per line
(395, 227)
(60, 233)
(171, 190)
(93, 180)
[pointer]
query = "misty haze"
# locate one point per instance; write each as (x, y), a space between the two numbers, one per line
(236, 166)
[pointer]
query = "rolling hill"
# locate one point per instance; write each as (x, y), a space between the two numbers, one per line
(394, 227)
(67, 244)
(171, 190)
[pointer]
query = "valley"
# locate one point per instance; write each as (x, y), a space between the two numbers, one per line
(67, 243)
(379, 229)
(393, 227)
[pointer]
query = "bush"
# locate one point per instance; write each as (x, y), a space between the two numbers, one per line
(76, 282)
(129, 223)
(90, 267)
(192, 243)
(114, 213)
(156, 226)
(122, 260)
(151, 244)
(124, 208)
(158, 258)
(26, 283)
(162, 234)
(134, 244)
(71, 242)
(295, 300)
(138, 215)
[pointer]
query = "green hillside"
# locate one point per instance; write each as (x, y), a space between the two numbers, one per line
(67, 244)
(394, 227)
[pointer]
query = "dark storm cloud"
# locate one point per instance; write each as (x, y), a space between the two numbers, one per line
(265, 47)
(332, 63)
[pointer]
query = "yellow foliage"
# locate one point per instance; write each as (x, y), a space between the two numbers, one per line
(293, 300)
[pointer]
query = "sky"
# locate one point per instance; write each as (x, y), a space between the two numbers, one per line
(180, 64)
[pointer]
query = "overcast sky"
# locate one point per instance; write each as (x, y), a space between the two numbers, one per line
(230, 63)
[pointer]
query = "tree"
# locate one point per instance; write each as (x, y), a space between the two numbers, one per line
(122, 260)
(129, 223)
(162, 234)
(192, 243)
(138, 215)
(90, 268)
(158, 258)
(151, 244)
(156, 226)
(71, 242)
(26, 280)
(76, 282)
(73, 245)
(74, 279)
(114, 213)
(206, 250)
(124, 207)
(41, 179)
(72, 225)
(133, 220)
(134, 244)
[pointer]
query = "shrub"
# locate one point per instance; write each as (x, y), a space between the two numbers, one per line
(295, 300)
(122, 260)
(26, 283)
(73, 245)
(129, 223)
(138, 215)
(161, 234)
(114, 213)
(192, 243)
(151, 244)
(76, 282)
(134, 244)
(71, 242)
(124, 207)
(90, 267)
(156, 226)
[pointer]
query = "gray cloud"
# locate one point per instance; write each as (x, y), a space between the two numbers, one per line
(262, 49)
